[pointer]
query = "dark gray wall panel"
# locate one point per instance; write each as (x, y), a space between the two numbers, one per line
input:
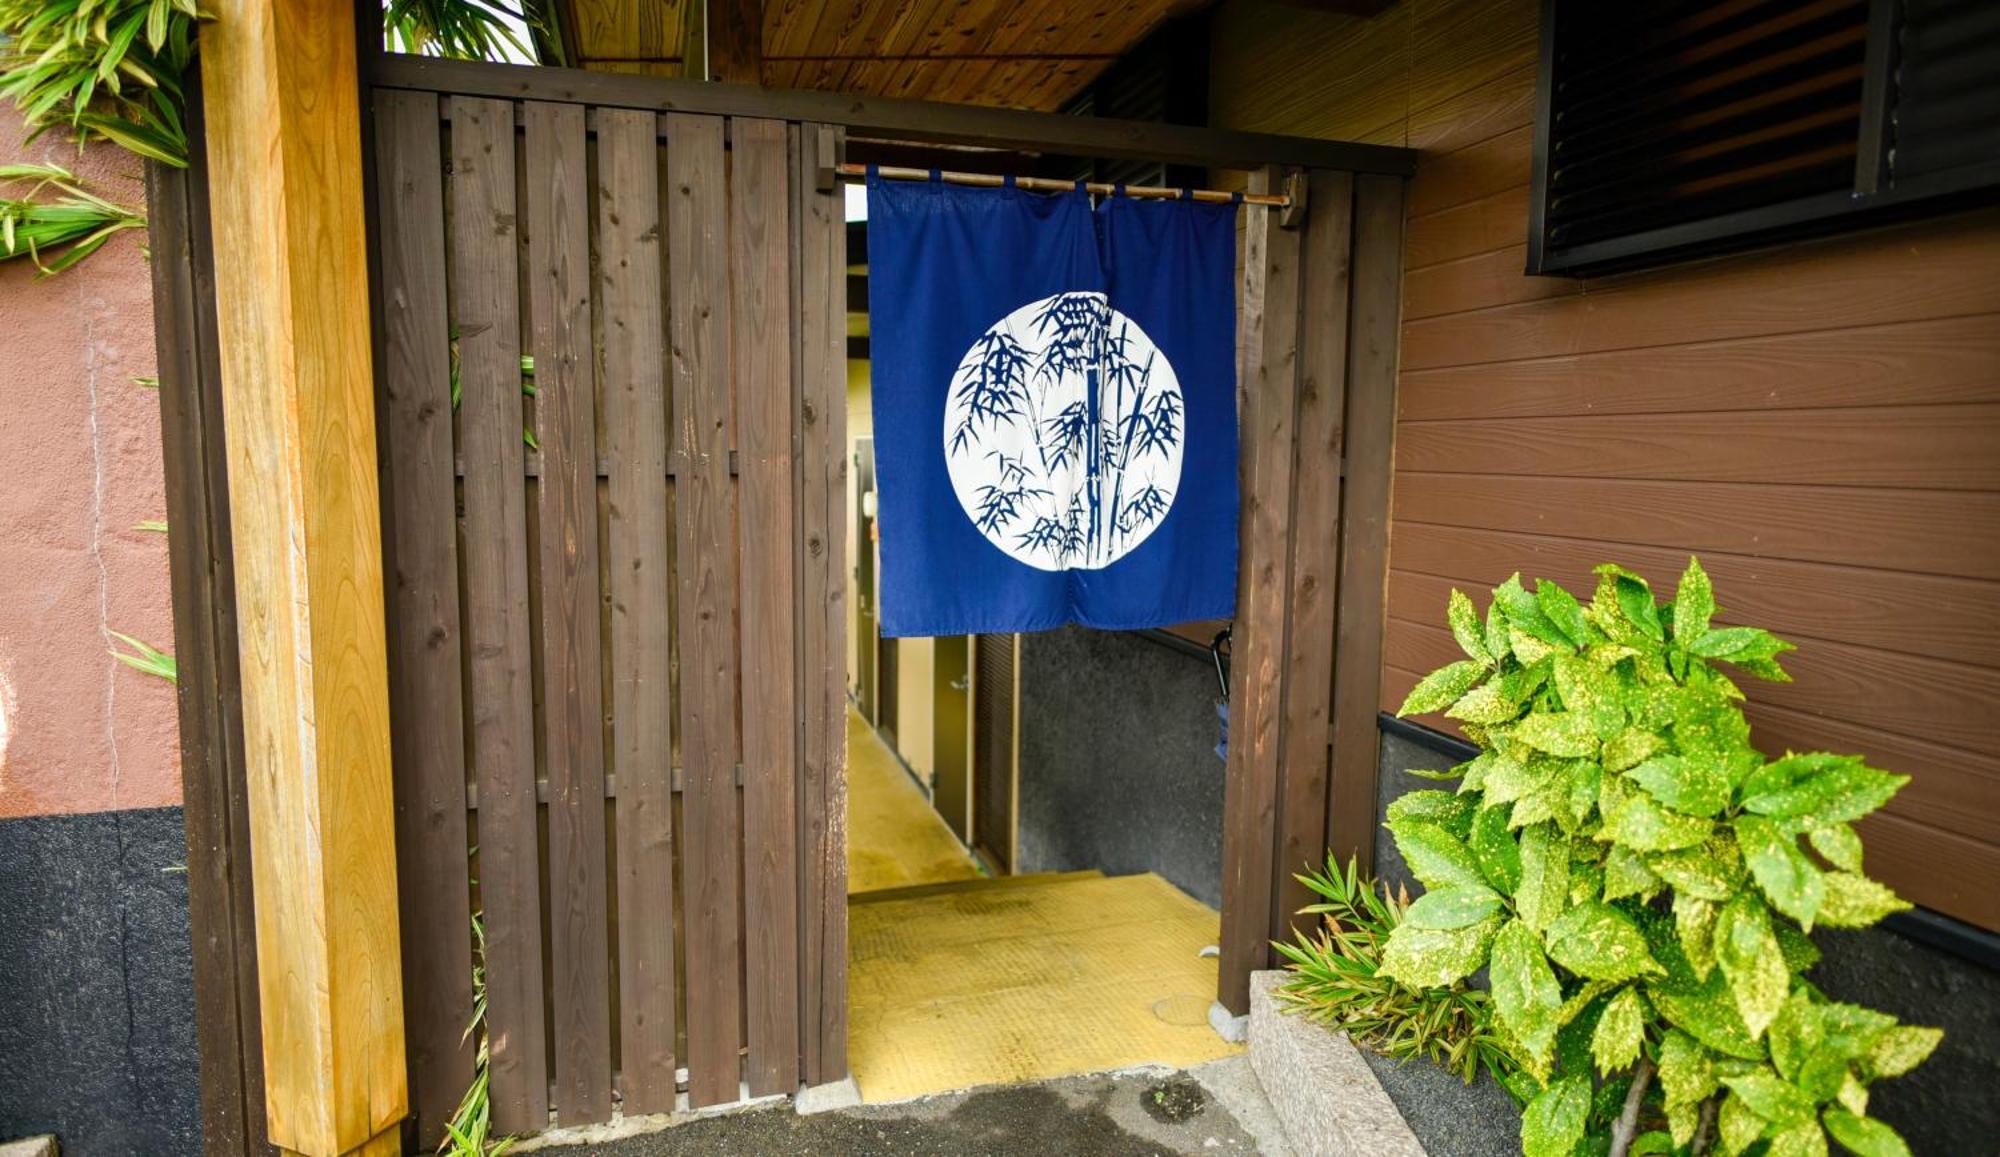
(97, 1039)
(1118, 764)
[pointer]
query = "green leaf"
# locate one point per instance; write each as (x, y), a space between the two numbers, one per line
(1452, 907)
(1640, 823)
(1526, 994)
(1635, 600)
(1555, 1121)
(1800, 952)
(1464, 620)
(1839, 844)
(1599, 942)
(1855, 901)
(1837, 794)
(1544, 890)
(1443, 687)
(1448, 810)
(1794, 1034)
(1615, 1044)
(1749, 956)
(1496, 631)
(1789, 880)
(1629, 747)
(1690, 784)
(1771, 1096)
(1626, 874)
(1737, 644)
(1524, 613)
(1694, 923)
(1738, 1124)
(1711, 871)
(1483, 704)
(1558, 733)
(1707, 1012)
(1562, 610)
(1687, 1074)
(1495, 849)
(1694, 603)
(1902, 1048)
(1864, 1135)
(1805, 1139)
(1435, 857)
(1422, 958)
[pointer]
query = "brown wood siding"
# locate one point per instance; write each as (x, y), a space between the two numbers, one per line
(1819, 421)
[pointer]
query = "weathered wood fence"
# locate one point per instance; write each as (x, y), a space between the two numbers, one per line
(615, 598)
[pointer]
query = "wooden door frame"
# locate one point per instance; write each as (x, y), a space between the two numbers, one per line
(187, 292)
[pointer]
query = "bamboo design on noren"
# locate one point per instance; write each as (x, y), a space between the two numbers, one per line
(1070, 439)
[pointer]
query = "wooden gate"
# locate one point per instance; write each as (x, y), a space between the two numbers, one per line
(611, 414)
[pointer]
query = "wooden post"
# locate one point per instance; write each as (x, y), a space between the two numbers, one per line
(284, 149)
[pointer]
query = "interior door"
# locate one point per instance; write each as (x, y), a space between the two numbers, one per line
(995, 696)
(951, 755)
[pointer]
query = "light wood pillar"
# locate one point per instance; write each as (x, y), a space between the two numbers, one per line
(284, 153)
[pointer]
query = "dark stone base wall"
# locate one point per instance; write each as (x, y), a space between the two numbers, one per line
(97, 1040)
(1951, 1104)
(1118, 763)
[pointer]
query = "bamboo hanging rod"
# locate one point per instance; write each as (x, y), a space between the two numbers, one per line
(1052, 185)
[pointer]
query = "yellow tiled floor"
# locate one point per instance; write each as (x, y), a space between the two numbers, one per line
(894, 837)
(1024, 979)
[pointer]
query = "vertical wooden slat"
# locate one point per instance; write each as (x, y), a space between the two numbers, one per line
(1268, 380)
(822, 417)
(635, 440)
(486, 317)
(572, 695)
(1314, 530)
(1364, 519)
(208, 691)
(699, 331)
(426, 694)
(761, 316)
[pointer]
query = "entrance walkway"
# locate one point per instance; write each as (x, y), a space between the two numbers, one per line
(1026, 978)
(894, 837)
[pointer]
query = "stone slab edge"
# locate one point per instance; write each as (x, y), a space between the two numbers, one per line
(1326, 1097)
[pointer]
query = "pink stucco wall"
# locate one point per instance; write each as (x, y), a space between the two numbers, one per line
(79, 467)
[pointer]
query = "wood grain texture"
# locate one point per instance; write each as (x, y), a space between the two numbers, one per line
(208, 691)
(1313, 526)
(426, 687)
(572, 700)
(1914, 272)
(285, 159)
(699, 335)
(760, 313)
(819, 222)
(1919, 614)
(631, 244)
(1892, 447)
(1479, 281)
(1916, 363)
(1364, 519)
(1269, 382)
(1920, 531)
(1496, 221)
(486, 315)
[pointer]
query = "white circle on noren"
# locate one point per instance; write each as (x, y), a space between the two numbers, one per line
(1063, 433)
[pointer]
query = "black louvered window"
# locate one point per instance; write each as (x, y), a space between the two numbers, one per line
(1673, 128)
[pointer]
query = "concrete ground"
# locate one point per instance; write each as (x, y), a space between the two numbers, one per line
(1214, 1108)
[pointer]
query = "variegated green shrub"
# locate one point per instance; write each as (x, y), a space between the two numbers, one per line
(1639, 880)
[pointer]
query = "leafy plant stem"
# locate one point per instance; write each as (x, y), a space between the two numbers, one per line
(1627, 1125)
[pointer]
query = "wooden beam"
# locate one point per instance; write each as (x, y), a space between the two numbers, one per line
(284, 151)
(735, 40)
(1373, 329)
(1268, 385)
(915, 120)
